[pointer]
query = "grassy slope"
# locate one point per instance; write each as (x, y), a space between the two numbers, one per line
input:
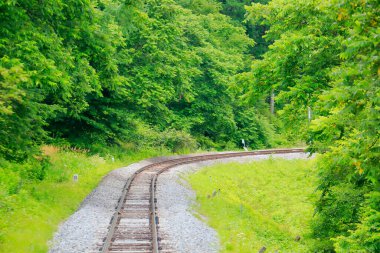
(265, 203)
(29, 217)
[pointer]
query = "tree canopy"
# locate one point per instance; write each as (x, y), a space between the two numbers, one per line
(85, 72)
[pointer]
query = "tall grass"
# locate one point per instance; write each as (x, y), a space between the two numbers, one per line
(37, 195)
(259, 204)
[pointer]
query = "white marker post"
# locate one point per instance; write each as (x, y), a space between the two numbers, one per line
(309, 113)
(272, 102)
(243, 142)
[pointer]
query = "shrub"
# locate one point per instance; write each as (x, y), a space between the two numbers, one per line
(177, 141)
(366, 235)
(255, 129)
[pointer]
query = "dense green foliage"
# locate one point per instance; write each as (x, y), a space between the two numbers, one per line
(96, 72)
(263, 203)
(236, 10)
(325, 56)
(184, 74)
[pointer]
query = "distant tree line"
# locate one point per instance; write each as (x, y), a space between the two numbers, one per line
(90, 73)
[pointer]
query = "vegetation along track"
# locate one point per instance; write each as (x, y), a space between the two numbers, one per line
(134, 226)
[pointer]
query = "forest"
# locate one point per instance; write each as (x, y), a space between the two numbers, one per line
(184, 75)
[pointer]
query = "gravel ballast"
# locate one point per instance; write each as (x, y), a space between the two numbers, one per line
(86, 228)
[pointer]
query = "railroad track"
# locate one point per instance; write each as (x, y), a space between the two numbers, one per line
(134, 225)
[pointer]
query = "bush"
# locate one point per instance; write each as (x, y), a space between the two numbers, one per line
(206, 143)
(35, 169)
(366, 236)
(177, 141)
(338, 210)
(146, 137)
(255, 129)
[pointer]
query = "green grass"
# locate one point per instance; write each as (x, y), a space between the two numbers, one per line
(265, 203)
(31, 210)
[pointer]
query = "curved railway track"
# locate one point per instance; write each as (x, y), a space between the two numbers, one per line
(134, 225)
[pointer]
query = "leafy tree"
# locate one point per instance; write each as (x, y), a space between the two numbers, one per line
(236, 10)
(297, 64)
(350, 131)
(21, 118)
(161, 65)
(220, 46)
(58, 46)
(325, 55)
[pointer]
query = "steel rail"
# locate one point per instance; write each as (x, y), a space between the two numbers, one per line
(153, 215)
